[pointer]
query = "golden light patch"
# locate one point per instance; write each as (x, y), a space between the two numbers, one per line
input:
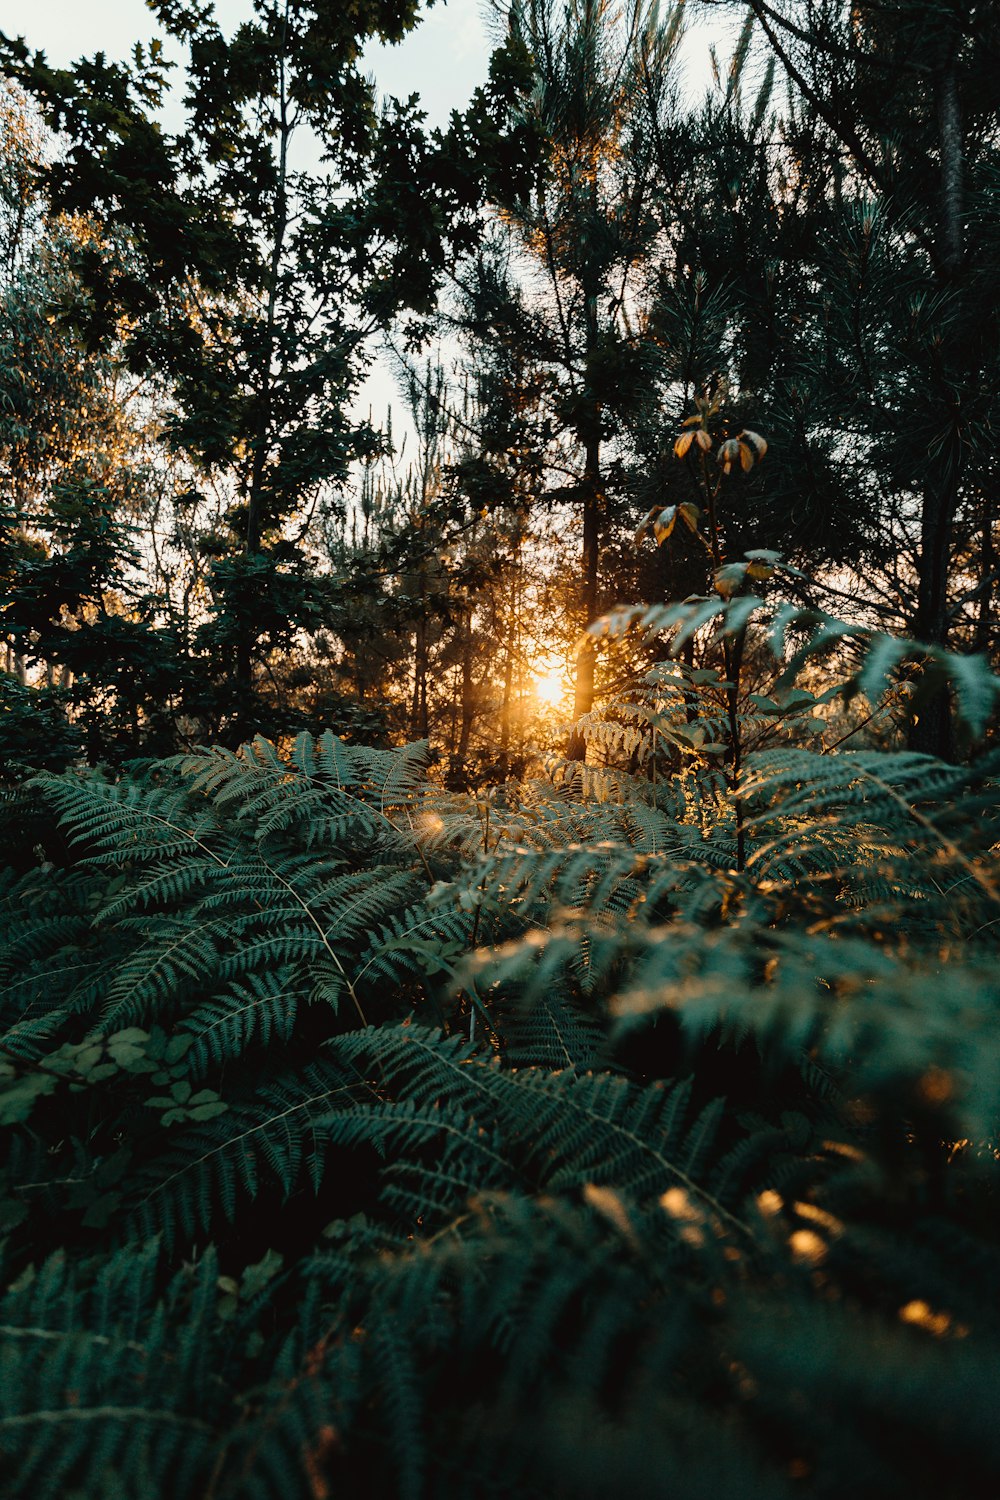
(550, 686)
(807, 1247)
(608, 1204)
(676, 1202)
(920, 1314)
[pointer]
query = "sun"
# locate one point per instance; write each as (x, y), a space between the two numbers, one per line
(550, 686)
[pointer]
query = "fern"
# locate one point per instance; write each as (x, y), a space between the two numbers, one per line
(276, 1141)
(107, 1376)
(557, 1130)
(877, 656)
(636, 1158)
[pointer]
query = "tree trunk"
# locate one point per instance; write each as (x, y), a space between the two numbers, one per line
(459, 771)
(418, 712)
(932, 730)
(985, 619)
(510, 648)
(586, 660)
(246, 633)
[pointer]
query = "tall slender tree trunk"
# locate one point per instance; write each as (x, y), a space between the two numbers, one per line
(261, 449)
(460, 767)
(932, 730)
(985, 619)
(510, 649)
(453, 718)
(586, 659)
(418, 710)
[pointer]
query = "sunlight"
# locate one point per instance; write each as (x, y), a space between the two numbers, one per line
(550, 685)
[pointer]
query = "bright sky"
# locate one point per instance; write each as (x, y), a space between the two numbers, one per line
(443, 60)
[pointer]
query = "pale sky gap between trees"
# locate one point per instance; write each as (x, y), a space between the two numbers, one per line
(444, 59)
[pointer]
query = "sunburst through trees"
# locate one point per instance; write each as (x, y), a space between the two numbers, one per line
(499, 906)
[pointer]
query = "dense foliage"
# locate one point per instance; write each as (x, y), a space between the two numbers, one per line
(361, 1134)
(405, 1092)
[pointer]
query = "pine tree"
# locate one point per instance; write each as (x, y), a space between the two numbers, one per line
(892, 105)
(582, 236)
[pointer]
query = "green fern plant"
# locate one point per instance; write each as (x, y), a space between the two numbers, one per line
(720, 1136)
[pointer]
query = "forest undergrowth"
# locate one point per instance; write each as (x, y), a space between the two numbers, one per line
(616, 1130)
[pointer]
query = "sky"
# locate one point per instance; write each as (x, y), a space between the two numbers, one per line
(444, 59)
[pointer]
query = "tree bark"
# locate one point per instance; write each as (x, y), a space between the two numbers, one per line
(510, 648)
(418, 712)
(586, 660)
(932, 730)
(246, 634)
(459, 775)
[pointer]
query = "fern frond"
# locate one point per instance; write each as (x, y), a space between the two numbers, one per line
(208, 1170)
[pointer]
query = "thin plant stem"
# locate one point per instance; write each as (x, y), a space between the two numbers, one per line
(732, 652)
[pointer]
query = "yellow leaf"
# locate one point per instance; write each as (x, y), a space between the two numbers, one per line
(689, 514)
(664, 524)
(728, 454)
(676, 1202)
(691, 422)
(756, 440)
(683, 443)
(729, 578)
(703, 439)
(607, 1203)
(759, 571)
(746, 458)
(644, 525)
(807, 1247)
(922, 1316)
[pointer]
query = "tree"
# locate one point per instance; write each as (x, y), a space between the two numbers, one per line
(437, 573)
(23, 146)
(894, 107)
(74, 471)
(565, 289)
(253, 280)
